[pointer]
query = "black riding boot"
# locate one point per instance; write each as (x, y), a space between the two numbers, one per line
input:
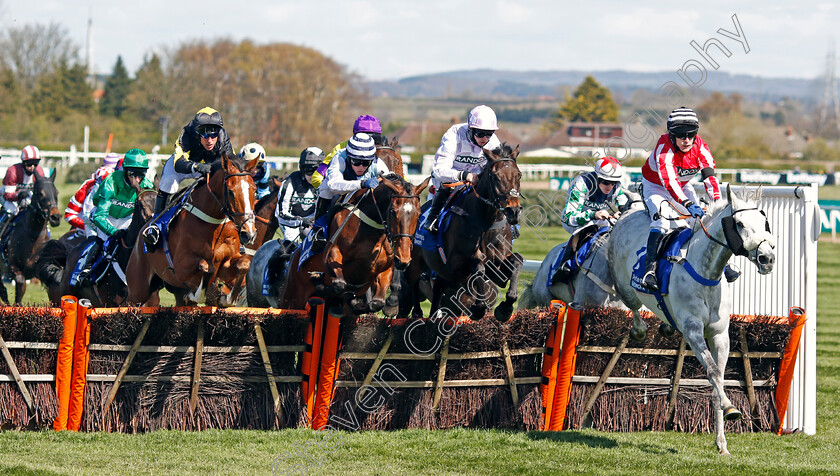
(84, 278)
(151, 235)
(649, 279)
(565, 260)
(441, 196)
(322, 206)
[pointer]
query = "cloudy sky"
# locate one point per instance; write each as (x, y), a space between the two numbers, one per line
(392, 39)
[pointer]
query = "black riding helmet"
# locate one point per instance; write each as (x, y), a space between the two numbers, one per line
(207, 120)
(310, 159)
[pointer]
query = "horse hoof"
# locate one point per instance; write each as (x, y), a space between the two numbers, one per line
(357, 304)
(390, 311)
(666, 330)
(731, 413)
(637, 336)
(376, 305)
(503, 311)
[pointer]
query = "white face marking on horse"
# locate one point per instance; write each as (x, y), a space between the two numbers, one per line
(246, 189)
(408, 207)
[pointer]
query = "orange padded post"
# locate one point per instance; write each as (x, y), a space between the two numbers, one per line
(566, 367)
(788, 363)
(329, 369)
(81, 357)
(310, 360)
(550, 373)
(64, 362)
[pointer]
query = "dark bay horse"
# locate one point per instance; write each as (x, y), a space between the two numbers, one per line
(200, 246)
(502, 264)
(30, 232)
(460, 265)
(372, 235)
(266, 225)
(110, 290)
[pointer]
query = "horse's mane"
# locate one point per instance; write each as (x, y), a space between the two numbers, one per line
(504, 150)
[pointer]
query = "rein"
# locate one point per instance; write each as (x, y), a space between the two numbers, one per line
(231, 215)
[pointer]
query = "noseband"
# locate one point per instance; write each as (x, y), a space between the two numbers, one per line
(389, 234)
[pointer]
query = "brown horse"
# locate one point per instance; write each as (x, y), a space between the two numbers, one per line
(199, 247)
(30, 232)
(370, 235)
(390, 155)
(460, 267)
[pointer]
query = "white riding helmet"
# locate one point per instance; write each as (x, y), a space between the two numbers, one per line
(609, 169)
(482, 117)
(252, 151)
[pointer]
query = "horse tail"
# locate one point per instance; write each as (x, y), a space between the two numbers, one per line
(50, 263)
(526, 298)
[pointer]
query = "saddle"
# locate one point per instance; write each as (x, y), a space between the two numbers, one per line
(434, 241)
(582, 244)
(670, 246)
(175, 205)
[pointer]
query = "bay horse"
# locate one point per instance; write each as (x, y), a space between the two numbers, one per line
(502, 264)
(110, 290)
(200, 247)
(30, 232)
(699, 305)
(460, 264)
(371, 235)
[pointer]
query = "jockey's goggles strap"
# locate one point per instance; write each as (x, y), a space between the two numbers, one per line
(203, 216)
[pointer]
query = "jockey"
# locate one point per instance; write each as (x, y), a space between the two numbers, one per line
(460, 157)
(679, 156)
(18, 184)
(355, 167)
(591, 196)
(296, 197)
(201, 142)
(364, 123)
(79, 208)
(114, 201)
(262, 178)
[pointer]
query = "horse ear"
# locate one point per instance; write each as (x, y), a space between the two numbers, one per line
(419, 188)
(252, 164)
(388, 183)
(515, 153)
(225, 162)
(491, 156)
(395, 142)
(728, 194)
(52, 174)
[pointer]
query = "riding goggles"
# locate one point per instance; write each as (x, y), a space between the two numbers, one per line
(689, 135)
(28, 163)
(359, 162)
(609, 183)
(136, 173)
(481, 133)
(209, 133)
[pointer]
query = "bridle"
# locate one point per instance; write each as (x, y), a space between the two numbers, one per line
(734, 242)
(224, 204)
(496, 199)
(42, 208)
(389, 233)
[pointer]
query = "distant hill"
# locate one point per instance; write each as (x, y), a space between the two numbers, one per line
(532, 84)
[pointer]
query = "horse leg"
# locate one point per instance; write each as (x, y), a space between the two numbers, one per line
(380, 283)
(693, 334)
(333, 264)
(719, 348)
(393, 302)
(20, 286)
(505, 309)
(4, 295)
(638, 330)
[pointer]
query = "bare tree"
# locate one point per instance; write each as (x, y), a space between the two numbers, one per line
(32, 51)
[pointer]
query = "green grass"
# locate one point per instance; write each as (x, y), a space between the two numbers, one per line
(460, 451)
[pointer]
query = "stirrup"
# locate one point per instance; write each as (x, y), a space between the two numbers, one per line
(431, 225)
(151, 236)
(649, 280)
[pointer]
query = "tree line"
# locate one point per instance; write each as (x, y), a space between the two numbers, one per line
(281, 95)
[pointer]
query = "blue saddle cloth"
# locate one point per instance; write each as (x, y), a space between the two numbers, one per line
(100, 266)
(266, 275)
(663, 267)
(163, 220)
(434, 241)
(321, 223)
(581, 255)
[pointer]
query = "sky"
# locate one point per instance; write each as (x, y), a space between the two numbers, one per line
(393, 39)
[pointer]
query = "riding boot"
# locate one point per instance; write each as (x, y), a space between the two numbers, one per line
(151, 235)
(731, 273)
(441, 196)
(84, 279)
(649, 279)
(322, 206)
(566, 259)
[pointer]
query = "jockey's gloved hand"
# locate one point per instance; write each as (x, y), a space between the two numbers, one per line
(307, 222)
(119, 234)
(23, 194)
(203, 169)
(693, 208)
(372, 182)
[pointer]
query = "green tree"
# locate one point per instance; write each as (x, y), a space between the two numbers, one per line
(147, 98)
(10, 96)
(590, 102)
(65, 90)
(117, 88)
(33, 51)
